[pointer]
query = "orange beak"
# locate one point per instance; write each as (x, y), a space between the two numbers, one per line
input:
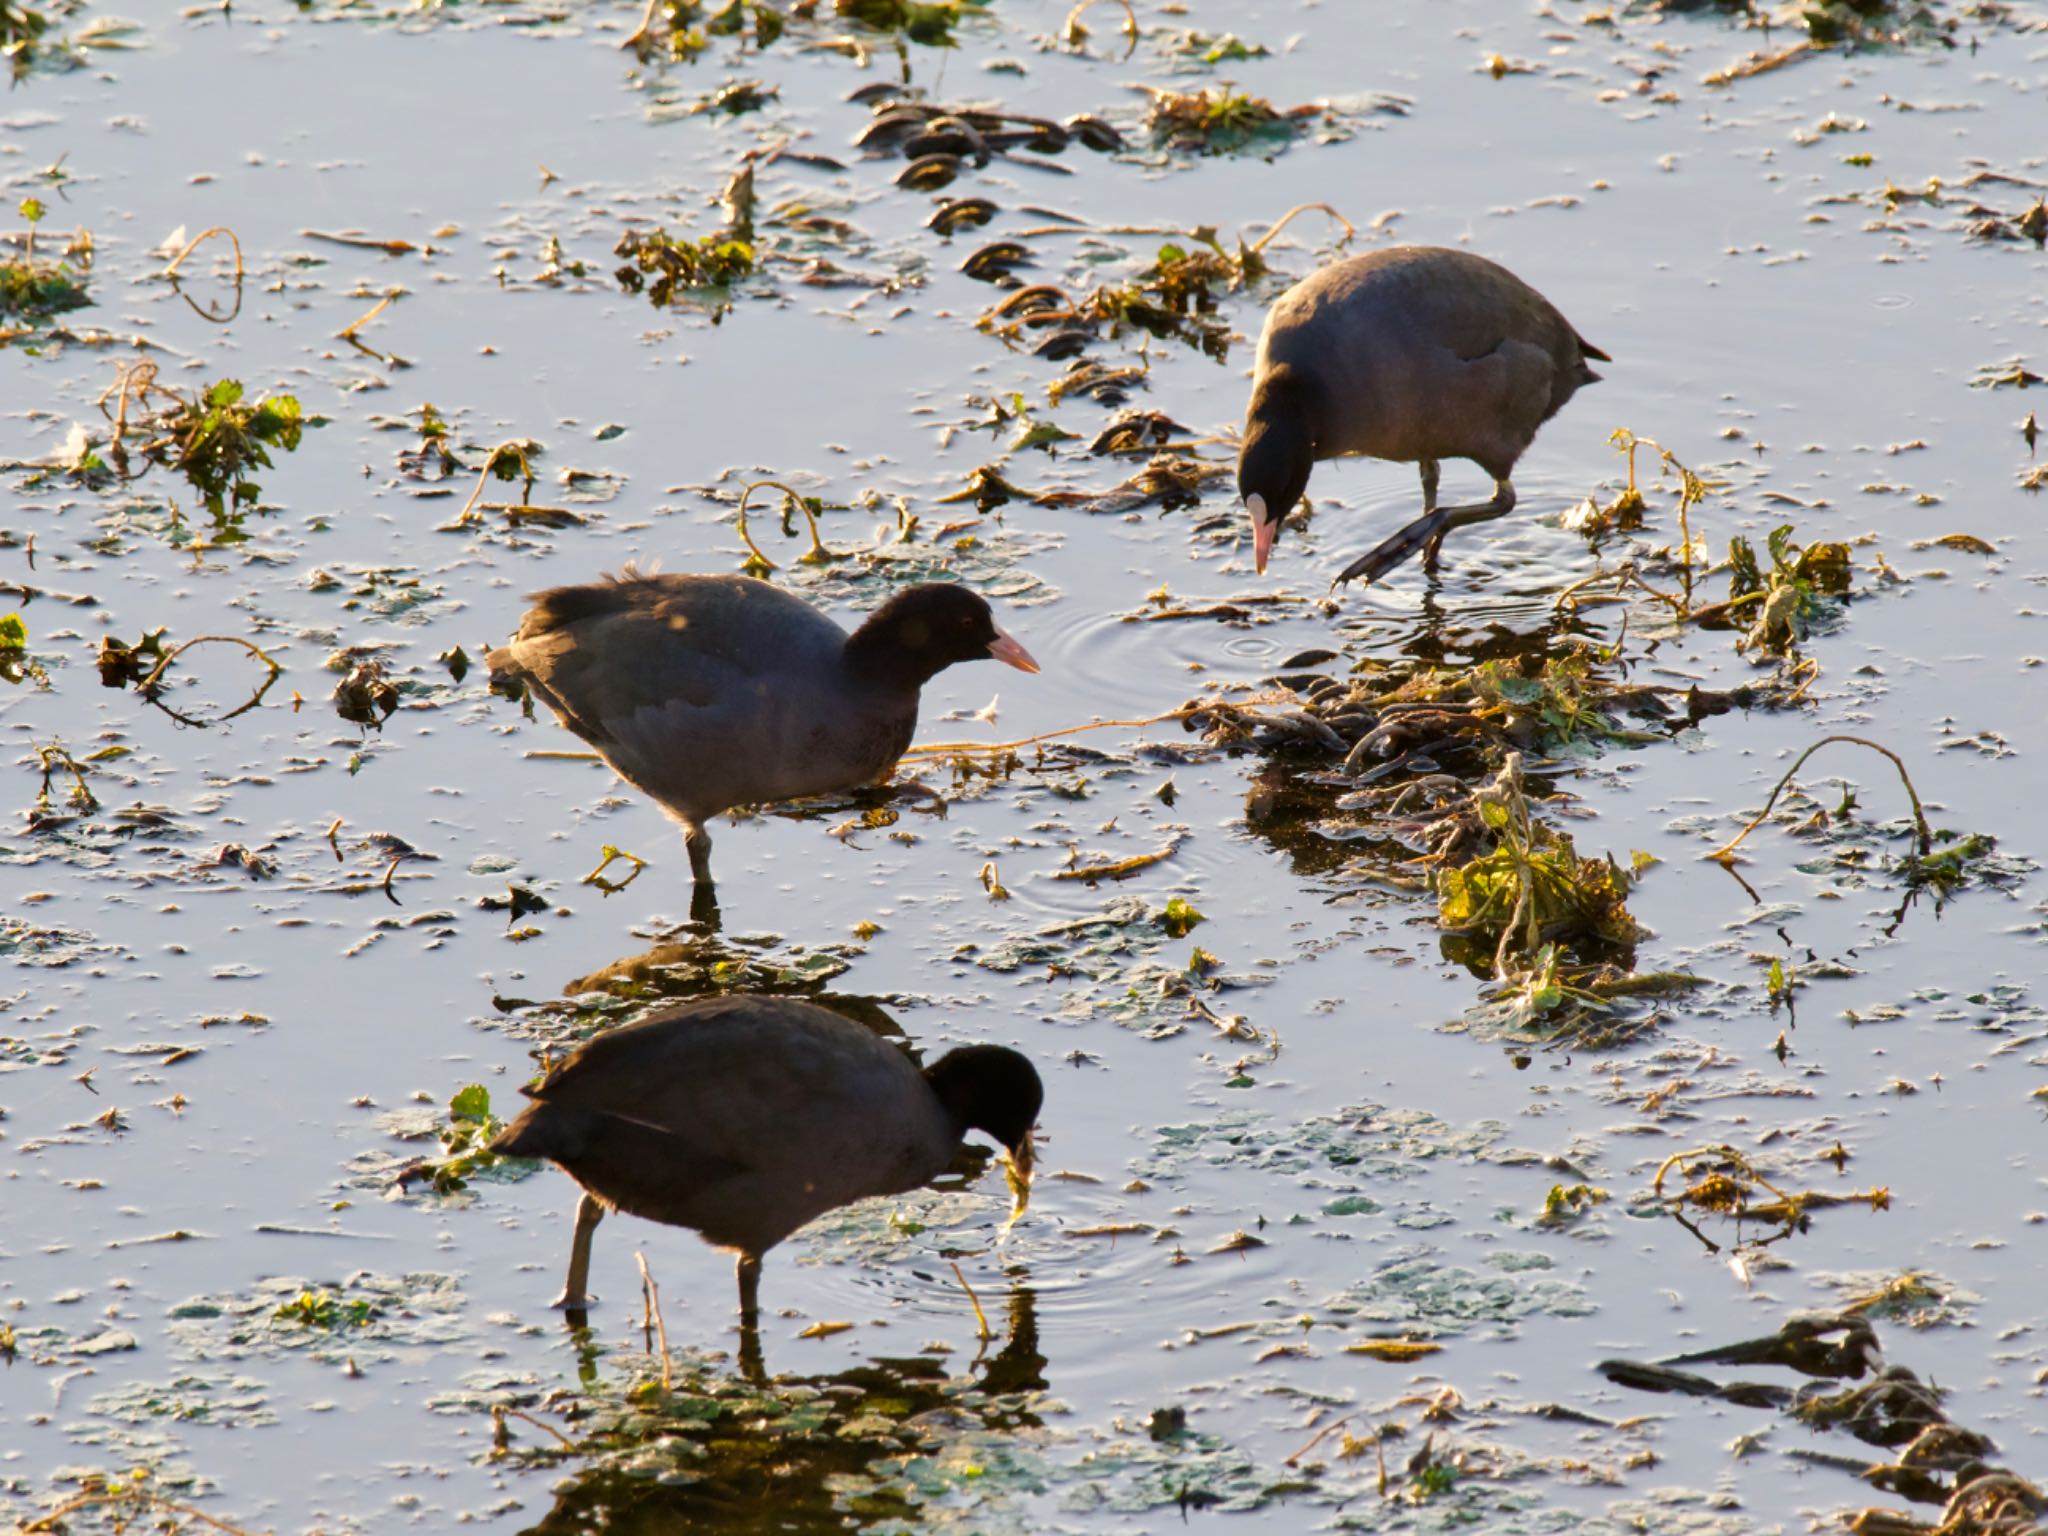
(1006, 650)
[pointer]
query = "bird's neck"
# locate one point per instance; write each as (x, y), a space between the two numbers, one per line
(877, 657)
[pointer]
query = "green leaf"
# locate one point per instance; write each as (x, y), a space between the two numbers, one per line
(1179, 919)
(471, 1103)
(13, 633)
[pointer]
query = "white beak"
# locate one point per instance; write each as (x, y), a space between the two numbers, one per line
(1263, 532)
(1006, 650)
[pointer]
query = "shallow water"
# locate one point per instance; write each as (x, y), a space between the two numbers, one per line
(1764, 328)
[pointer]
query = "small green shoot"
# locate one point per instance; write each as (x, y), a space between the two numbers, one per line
(325, 1311)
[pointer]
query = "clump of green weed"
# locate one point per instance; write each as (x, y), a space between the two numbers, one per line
(930, 22)
(1219, 120)
(1532, 888)
(466, 1145)
(34, 288)
(15, 661)
(314, 1308)
(1790, 593)
(218, 439)
(666, 266)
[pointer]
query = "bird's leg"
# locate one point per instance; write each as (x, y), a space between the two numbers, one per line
(1430, 471)
(698, 842)
(750, 1291)
(1426, 533)
(1457, 517)
(704, 907)
(576, 1293)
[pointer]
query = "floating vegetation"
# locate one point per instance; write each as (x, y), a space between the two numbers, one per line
(465, 1147)
(322, 1309)
(930, 22)
(214, 437)
(1722, 1181)
(1790, 594)
(1937, 1462)
(1221, 120)
(1532, 888)
(34, 288)
(671, 267)
(145, 667)
(16, 664)
(940, 139)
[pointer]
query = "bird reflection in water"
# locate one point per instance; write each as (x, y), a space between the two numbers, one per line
(722, 1449)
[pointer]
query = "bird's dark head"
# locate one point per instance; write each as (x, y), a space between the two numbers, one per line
(923, 630)
(993, 1089)
(1279, 449)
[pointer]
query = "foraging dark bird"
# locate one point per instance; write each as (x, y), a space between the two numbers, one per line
(709, 692)
(744, 1117)
(1417, 354)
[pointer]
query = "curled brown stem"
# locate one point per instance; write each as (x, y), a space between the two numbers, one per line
(1922, 835)
(171, 271)
(1074, 34)
(151, 687)
(1286, 218)
(758, 563)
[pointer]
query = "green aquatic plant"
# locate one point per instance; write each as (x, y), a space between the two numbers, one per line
(466, 1144)
(1532, 888)
(667, 266)
(1789, 593)
(32, 287)
(929, 22)
(217, 440)
(1220, 120)
(15, 661)
(321, 1309)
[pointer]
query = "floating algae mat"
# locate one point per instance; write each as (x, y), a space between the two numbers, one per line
(1467, 1005)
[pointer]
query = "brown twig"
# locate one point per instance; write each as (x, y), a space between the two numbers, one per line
(500, 1414)
(984, 1332)
(1317, 1439)
(955, 748)
(349, 333)
(651, 1295)
(53, 1521)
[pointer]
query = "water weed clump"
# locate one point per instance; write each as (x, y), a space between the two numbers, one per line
(671, 267)
(34, 288)
(215, 437)
(465, 1148)
(1221, 120)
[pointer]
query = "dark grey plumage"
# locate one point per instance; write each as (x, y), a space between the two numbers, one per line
(745, 1117)
(1417, 354)
(709, 692)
